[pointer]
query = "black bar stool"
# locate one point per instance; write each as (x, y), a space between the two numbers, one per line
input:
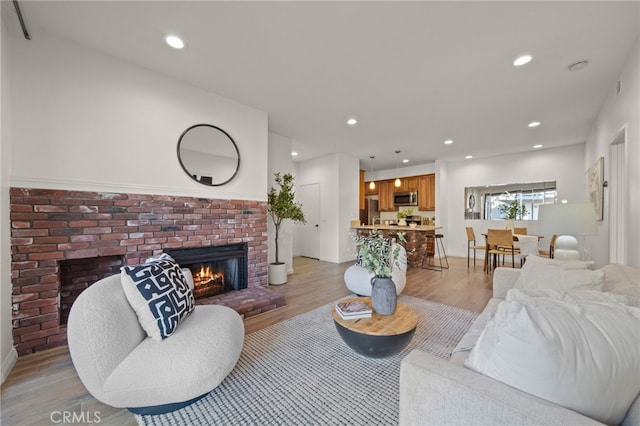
(437, 246)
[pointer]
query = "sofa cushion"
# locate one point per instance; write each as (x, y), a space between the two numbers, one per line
(545, 276)
(623, 279)
(581, 355)
(537, 261)
(574, 295)
(159, 294)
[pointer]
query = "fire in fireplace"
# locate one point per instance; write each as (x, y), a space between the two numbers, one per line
(215, 269)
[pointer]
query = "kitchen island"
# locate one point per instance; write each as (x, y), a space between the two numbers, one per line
(416, 241)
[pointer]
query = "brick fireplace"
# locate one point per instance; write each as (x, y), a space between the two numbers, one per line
(63, 241)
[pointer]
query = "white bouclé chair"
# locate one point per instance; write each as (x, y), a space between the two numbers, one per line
(121, 366)
(358, 279)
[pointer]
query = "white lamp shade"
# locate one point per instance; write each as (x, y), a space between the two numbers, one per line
(567, 219)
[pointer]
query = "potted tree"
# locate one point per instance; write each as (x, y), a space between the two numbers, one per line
(281, 206)
(378, 255)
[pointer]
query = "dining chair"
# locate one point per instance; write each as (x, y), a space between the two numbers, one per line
(500, 243)
(472, 245)
(552, 245)
(520, 231)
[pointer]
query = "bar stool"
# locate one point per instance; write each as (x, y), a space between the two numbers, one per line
(437, 246)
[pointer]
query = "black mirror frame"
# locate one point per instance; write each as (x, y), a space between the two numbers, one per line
(189, 173)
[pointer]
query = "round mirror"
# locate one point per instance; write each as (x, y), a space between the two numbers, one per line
(208, 154)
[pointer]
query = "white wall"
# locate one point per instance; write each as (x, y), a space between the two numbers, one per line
(279, 160)
(82, 120)
(338, 177)
(564, 165)
(8, 354)
(85, 121)
(620, 111)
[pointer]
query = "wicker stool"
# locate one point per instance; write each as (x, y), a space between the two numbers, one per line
(437, 246)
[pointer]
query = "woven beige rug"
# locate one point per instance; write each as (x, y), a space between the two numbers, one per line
(300, 372)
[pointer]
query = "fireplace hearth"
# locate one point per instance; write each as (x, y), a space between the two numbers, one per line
(215, 269)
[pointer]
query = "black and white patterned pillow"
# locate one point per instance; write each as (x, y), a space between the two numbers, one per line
(159, 294)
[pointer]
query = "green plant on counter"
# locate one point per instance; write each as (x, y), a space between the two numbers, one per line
(402, 214)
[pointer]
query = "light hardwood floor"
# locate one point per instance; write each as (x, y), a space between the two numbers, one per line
(43, 386)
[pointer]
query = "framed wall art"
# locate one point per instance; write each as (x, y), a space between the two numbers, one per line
(596, 186)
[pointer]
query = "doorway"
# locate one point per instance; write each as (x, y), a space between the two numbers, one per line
(617, 189)
(309, 239)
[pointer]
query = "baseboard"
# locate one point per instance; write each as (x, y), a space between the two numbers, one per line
(8, 363)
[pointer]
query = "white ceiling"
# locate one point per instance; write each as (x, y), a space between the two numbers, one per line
(413, 73)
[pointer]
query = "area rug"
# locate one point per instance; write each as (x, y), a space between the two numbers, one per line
(300, 372)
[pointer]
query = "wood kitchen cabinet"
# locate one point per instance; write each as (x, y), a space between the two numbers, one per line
(427, 192)
(385, 196)
(362, 186)
(369, 191)
(408, 184)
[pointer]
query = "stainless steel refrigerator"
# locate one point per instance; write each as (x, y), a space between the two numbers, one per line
(371, 210)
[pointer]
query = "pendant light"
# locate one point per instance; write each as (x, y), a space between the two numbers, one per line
(372, 184)
(397, 183)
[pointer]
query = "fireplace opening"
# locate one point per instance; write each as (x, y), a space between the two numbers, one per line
(78, 274)
(215, 269)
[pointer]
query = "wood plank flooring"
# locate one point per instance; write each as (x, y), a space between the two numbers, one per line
(43, 386)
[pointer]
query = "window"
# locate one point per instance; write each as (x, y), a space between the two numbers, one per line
(512, 201)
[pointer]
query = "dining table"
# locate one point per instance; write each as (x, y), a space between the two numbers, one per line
(528, 245)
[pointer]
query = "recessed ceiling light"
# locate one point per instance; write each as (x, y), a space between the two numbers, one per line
(352, 122)
(448, 142)
(294, 153)
(522, 60)
(174, 41)
(537, 146)
(406, 160)
(468, 157)
(534, 124)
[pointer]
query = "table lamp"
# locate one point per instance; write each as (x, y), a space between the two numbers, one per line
(567, 220)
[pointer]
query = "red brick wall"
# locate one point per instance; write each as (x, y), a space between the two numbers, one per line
(49, 226)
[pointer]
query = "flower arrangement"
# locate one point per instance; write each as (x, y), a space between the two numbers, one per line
(375, 253)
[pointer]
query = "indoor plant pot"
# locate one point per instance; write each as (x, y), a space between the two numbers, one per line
(377, 255)
(277, 273)
(281, 206)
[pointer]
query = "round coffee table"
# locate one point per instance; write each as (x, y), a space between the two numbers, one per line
(378, 336)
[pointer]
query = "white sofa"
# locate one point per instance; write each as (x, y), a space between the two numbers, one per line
(123, 367)
(358, 279)
(444, 392)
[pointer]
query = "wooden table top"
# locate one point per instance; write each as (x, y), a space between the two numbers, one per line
(402, 321)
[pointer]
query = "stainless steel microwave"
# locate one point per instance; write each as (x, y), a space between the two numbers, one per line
(405, 198)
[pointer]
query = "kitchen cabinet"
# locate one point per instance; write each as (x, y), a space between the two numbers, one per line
(362, 194)
(408, 184)
(385, 196)
(369, 191)
(427, 192)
